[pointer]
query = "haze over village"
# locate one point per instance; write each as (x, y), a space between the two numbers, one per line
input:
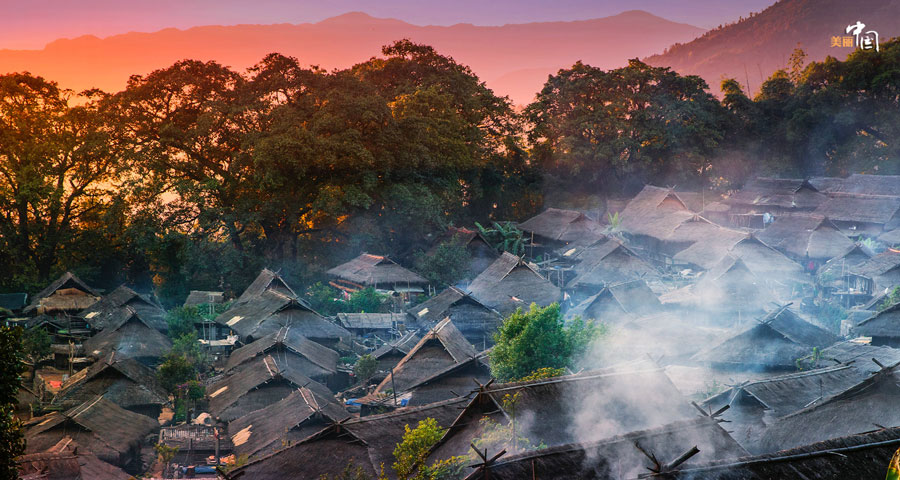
(590, 240)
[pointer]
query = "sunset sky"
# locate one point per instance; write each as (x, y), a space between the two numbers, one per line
(31, 24)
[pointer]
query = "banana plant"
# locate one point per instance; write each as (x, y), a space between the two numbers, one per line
(505, 237)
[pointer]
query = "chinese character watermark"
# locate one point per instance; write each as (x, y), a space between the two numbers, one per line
(856, 37)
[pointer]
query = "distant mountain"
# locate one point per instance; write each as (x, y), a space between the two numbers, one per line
(755, 47)
(513, 59)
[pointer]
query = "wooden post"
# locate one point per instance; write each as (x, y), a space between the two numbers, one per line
(393, 389)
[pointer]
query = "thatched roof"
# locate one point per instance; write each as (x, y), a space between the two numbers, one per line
(563, 226)
(369, 321)
(100, 426)
(860, 355)
(867, 406)
(107, 310)
(476, 321)
(267, 280)
(708, 242)
(67, 461)
(890, 238)
(879, 265)
(451, 382)
(122, 380)
(442, 347)
(617, 457)
(296, 417)
(269, 311)
(367, 442)
(769, 264)
(374, 271)
(779, 192)
(74, 295)
(860, 184)
(609, 261)
(618, 302)
(256, 384)
(885, 323)
(438, 307)
(287, 340)
(844, 263)
(510, 283)
(655, 212)
(401, 345)
(730, 286)
(801, 237)
(129, 335)
(878, 210)
(776, 341)
(201, 297)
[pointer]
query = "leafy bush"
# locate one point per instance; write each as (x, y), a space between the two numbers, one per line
(365, 367)
(446, 266)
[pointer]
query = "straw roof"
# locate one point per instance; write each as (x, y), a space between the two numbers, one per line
(367, 442)
(860, 184)
(442, 347)
(68, 281)
(860, 355)
(451, 382)
(708, 242)
(269, 311)
(474, 319)
(730, 286)
(318, 360)
(885, 323)
(878, 210)
(256, 384)
(129, 335)
(563, 226)
(607, 262)
(369, 321)
(201, 297)
(122, 380)
(845, 262)
(510, 283)
(375, 270)
(879, 265)
(769, 264)
(267, 280)
(778, 192)
(401, 345)
(66, 461)
(618, 457)
(776, 341)
(619, 302)
(814, 237)
(655, 212)
(296, 417)
(107, 310)
(100, 426)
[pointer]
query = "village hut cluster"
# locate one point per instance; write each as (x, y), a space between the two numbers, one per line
(752, 335)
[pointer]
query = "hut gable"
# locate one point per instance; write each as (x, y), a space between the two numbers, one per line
(706, 243)
(775, 342)
(376, 271)
(877, 210)
(201, 297)
(67, 293)
(390, 354)
(269, 311)
(128, 334)
(451, 382)
(475, 320)
(257, 384)
(481, 252)
(883, 327)
(809, 237)
(296, 417)
(607, 262)
(317, 360)
(786, 193)
(510, 283)
(768, 264)
(103, 428)
(618, 303)
(267, 280)
(728, 287)
(106, 310)
(883, 269)
(122, 380)
(557, 225)
(442, 347)
(655, 212)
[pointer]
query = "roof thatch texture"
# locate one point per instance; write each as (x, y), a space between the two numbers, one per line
(563, 226)
(367, 442)
(775, 342)
(655, 212)
(885, 323)
(65, 282)
(376, 271)
(454, 381)
(608, 262)
(860, 355)
(844, 263)
(728, 287)
(879, 265)
(122, 380)
(475, 320)
(778, 192)
(862, 408)
(257, 384)
(770, 265)
(130, 336)
(296, 417)
(860, 184)
(107, 310)
(269, 311)
(618, 303)
(708, 243)
(201, 297)
(802, 237)
(442, 347)
(267, 280)
(100, 426)
(369, 321)
(880, 210)
(66, 461)
(288, 341)
(401, 345)
(510, 283)
(891, 238)
(618, 457)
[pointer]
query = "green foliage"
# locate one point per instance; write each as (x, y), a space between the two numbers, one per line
(324, 298)
(12, 442)
(367, 300)
(37, 342)
(181, 321)
(505, 237)
(411, 452)
(543, 373)
(365, 367)
(810, 361)
(536, 339)
(188, 346)
(890, 299)
(350, 472)
(175, 370)
(446, 265)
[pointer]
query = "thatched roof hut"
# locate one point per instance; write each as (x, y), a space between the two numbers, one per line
(269, 311)
(105, 311)
(203, 297)
(67, 461)
(481, 252)
(706, 243)
(475, 320)
(859, 185)
(257, 384)
(883, 327)
(364, 323)
(883, 269)
(65, 294)
(836, 272)
(776, 196)
(775, 343)
(860, 355)
(121, 380)
(870, 404)
(376, 271)
(128, 334)
(442, 347)
(100, 426)
(807, 238)
(510, 283)
(607, 262)
(267, 280)
(366, 442)
(290, 346)
(555, 225)
(862, 215)
(296, 417)
(654, 213)
(617, 457)
(619, 303)
(390, 354)
(780, 273)
(451, 382)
